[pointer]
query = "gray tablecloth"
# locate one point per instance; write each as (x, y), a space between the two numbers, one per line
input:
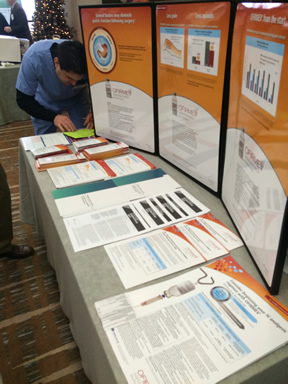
(89, 276)
(9, 110)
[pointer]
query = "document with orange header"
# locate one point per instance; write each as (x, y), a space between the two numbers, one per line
(199, 327)
(130, 219)
(45, 163)
(76, 174)
(99, 170)
(168, 250)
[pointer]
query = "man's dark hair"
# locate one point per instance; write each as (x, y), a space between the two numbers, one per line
(71, 56)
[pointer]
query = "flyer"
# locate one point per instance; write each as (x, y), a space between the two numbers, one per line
(131, 219)
(95, 170)
(199, 327)
(169, 250)
(88, 202)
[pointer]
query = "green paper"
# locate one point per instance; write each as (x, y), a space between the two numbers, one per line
(85, 132)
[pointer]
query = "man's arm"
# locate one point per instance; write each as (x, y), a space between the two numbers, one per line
(33, 108)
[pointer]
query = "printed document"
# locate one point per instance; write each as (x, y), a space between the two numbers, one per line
(165, 251)
(76, 174)
(36, 142)
(127, 220)
(93, 201)
(200, 327)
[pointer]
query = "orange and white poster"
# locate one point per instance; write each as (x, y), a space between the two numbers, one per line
(255, 181)
(192, 43)
(118, 43)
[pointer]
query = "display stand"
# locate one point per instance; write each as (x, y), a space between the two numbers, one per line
(255, 181)
(120, 68)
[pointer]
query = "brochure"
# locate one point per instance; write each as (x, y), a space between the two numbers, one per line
(80, 145)
(109, 150)
(93, 201)
(76, 174)
(49, 151)
(45, 163)
(127, 220)
(168, 250)
(41, 141)
(99, 170)
(199, 327)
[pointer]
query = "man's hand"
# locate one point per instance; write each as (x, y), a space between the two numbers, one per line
(8, 29)
(89, 123)
(64, 124)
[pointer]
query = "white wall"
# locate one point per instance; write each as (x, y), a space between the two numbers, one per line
(72, 14)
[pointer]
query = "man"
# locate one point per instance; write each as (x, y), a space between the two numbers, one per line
(7, 249)
(52, 86)
(18, 22)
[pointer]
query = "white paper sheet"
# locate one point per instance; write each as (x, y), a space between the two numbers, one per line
(93, 201)
(76, 174)
(199, 327)
(41, 141)
(109, 225)
(165, 251)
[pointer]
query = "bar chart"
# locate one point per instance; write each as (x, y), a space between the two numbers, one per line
(262, 72)
(203, 51)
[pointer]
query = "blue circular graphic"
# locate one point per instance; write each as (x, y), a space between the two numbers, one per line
(102, 51)
(220, 293)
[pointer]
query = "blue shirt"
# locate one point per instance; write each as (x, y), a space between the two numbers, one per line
(37, 77)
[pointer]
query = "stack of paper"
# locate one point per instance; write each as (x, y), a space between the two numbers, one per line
(89, 143)
(106, 151)
(44, 163)
(51, 150)
(96, 170)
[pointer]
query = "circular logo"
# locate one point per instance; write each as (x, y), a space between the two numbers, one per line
(102, 50)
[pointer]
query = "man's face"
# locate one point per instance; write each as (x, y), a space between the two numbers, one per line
(67, 78)
(10, 2)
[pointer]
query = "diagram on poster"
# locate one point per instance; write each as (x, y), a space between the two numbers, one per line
(102, 50)
(203, 50)
(172, 46)
(261, 72)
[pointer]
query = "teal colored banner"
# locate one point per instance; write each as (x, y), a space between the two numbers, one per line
(106, 184)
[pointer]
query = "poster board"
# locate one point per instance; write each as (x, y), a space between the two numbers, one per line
(118, 44)
(192, 40)
(255, 180)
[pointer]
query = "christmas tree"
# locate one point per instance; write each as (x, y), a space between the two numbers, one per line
(49, 21)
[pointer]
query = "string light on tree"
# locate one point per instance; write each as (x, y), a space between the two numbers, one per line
(49, 21)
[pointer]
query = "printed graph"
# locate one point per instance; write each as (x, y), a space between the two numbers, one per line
(172, 46)
(203, 50)
(262, 72)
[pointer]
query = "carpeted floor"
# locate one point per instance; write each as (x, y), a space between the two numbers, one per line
(36, 344)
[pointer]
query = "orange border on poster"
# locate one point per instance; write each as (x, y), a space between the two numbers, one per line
(131, 31)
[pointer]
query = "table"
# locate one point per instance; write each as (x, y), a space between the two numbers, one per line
(9, 110)
(88, 276)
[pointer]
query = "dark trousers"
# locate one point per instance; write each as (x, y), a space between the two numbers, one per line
(6, 228)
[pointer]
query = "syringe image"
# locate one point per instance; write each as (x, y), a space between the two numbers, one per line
(181, 288)
(175, 290)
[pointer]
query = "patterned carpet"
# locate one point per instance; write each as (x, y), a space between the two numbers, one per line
(36, 344)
